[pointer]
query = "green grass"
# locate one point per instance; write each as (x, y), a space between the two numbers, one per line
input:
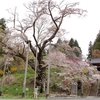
(15, 89)
(22, 99)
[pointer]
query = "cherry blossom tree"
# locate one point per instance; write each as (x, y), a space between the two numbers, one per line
(74, 70)
(57, 58)
(43, 22)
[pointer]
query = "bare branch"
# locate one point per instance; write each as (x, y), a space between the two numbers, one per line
(51, 14)
(14, 14)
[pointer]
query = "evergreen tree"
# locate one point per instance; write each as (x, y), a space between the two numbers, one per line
(97, 46)
(76, 43)
(89, 56)
(97, 42)
(2, 24)
(59, 41)
(2, 30)
(71, 42)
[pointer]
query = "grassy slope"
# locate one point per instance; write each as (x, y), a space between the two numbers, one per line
(14, 90)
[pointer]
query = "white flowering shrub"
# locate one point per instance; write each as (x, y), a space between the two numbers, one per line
(74, 70)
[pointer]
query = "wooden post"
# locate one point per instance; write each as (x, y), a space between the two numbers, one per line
(24, 84)
(97, 87)
(48, 79)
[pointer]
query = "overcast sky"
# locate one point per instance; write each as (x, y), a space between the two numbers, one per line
(83, 30)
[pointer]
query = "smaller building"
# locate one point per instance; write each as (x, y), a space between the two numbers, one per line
(95, 61)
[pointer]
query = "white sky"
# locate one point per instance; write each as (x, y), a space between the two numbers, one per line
(83, 30)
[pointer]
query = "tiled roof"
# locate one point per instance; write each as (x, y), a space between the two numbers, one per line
(95, 60)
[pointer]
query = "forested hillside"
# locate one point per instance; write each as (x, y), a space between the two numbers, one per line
(94, 48)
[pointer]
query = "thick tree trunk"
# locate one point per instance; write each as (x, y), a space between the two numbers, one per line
(41, 78)
(41, 71)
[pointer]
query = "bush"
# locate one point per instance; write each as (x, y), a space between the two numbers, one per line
(54, 87)
(1, 72)
(13, 69)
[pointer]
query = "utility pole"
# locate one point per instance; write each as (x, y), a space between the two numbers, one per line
(24, 84)
(48, 80)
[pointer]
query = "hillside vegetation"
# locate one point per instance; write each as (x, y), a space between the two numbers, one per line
(66, 74)
(13, 82)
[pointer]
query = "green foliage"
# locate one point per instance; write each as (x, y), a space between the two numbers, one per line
(98, 37)
(3, 24)
(0, 49)
(71, 42)
(13, 69)
(90, 49)
(96, 44)
(1, 72)
(59, 41)
(1, 39)
(1, 31)
(54, 87)
(74, 43)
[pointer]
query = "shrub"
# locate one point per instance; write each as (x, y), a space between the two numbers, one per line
(13, 69)
(54, 87)
(1, 72)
